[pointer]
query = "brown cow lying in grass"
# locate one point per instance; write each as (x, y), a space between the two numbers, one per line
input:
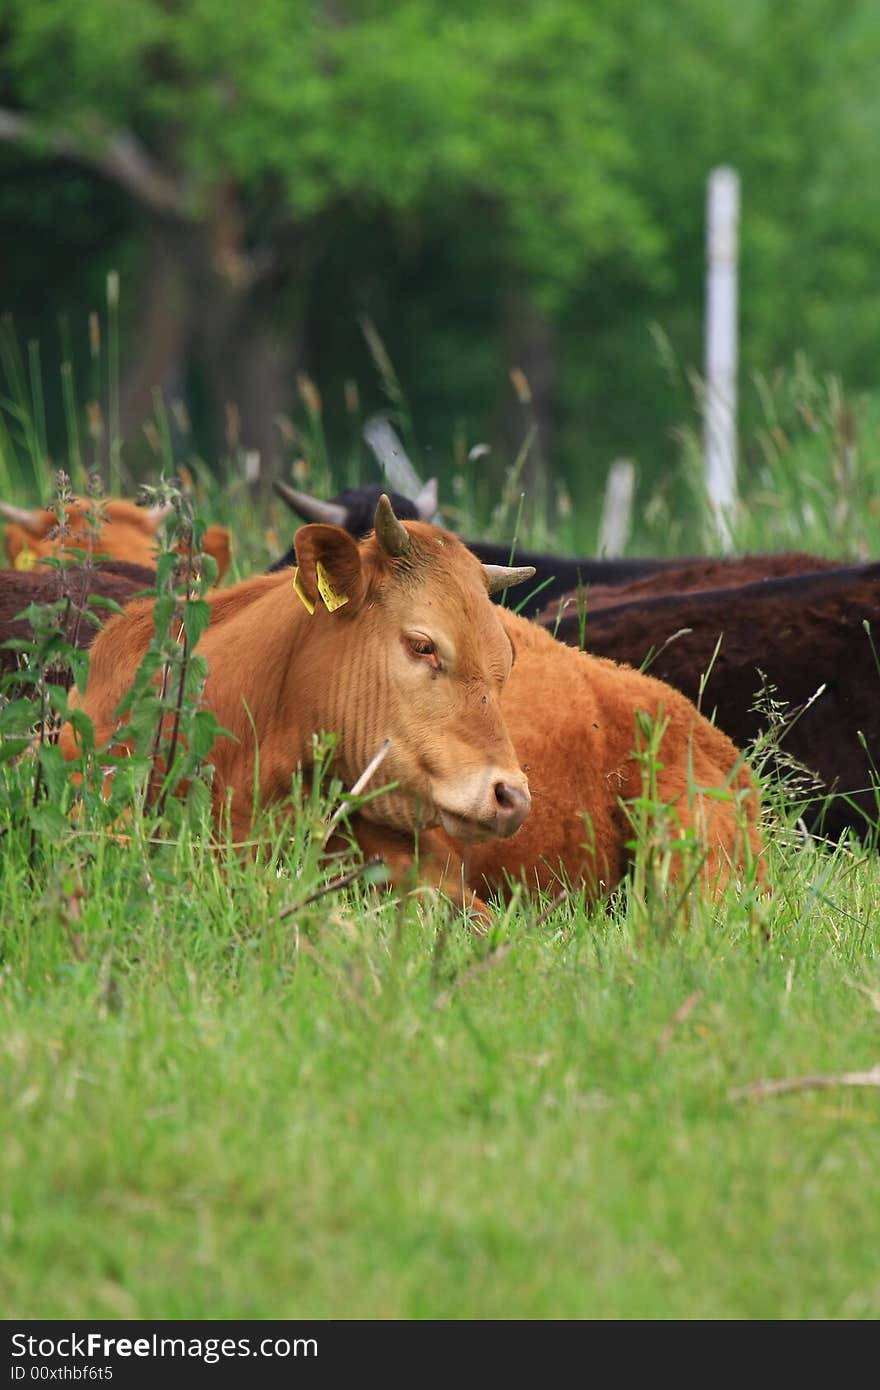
(797, 635)
(396, 638)
(404, 644)
(114, 529)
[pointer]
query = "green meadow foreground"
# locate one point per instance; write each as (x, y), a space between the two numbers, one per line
(212, 1109)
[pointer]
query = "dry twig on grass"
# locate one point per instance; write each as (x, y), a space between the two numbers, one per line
(760, 1090)
(679, 1016)
(335, 884)
(551, 907)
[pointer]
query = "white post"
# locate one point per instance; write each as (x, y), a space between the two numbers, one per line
(614, 528)
(719, 417)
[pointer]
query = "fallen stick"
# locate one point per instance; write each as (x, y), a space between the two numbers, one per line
(551, 907)
(759, 1090)
(333, 886)
(679, 1016)
(358, 787)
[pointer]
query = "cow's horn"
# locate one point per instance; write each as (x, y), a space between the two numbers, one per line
(503, 577)
(390, 533)
(31, 521)
(426, 502)
(156, 515)
(311, 508)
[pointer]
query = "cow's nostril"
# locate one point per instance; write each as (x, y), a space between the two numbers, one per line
(511, 799)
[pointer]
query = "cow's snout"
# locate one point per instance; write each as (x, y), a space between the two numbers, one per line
(512, 805)
(487, 804)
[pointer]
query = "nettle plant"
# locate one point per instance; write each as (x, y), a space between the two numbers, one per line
(168, 735)
(157, 774)
(34, 696)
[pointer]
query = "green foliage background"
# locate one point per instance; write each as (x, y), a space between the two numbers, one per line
(433, 165)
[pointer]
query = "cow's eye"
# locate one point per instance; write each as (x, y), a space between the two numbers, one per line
(422, 649)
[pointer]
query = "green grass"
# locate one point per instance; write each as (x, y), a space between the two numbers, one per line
(366, 1108)
(213, 1111)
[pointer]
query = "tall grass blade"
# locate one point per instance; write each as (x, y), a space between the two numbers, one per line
(115, 428)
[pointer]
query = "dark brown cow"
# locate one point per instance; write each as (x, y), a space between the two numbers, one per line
(688, 577)
(113, 579)
(801, 635)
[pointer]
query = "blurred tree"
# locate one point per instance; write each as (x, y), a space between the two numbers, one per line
(504, 184)
(244, 134)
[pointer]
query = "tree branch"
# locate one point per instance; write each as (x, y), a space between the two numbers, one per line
(118, 155)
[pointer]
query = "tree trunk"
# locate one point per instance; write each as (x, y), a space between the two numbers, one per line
(161, 341)
(529, 347)
(204, 304)
(248, 368)
(200, 295)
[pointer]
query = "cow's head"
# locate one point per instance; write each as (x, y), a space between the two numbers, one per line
(404, 644)
(113, 530)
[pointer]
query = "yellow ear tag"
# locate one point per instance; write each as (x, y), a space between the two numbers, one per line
(300, 591)
(332, 600)
(25, 559)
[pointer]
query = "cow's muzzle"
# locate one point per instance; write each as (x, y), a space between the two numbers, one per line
(496, 813)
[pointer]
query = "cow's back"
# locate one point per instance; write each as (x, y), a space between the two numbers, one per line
(118, 651)
(695, 576)
(572, 720)
(116, 580)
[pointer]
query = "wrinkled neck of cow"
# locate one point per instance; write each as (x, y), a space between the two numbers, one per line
(344, 674)
(278, 662)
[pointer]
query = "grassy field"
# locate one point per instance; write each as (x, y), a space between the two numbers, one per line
(222, 1100)
(212, 1110)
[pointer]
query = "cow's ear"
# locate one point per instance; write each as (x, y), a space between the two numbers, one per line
(328, 569)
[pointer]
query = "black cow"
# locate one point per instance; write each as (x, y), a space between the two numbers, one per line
(555, 575)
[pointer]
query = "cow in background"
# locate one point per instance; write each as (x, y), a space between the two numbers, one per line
(555, 575)
(687, 577)
(116, 528)
(810, 641)
(112, 579)
(354, 509)
(112, 529)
